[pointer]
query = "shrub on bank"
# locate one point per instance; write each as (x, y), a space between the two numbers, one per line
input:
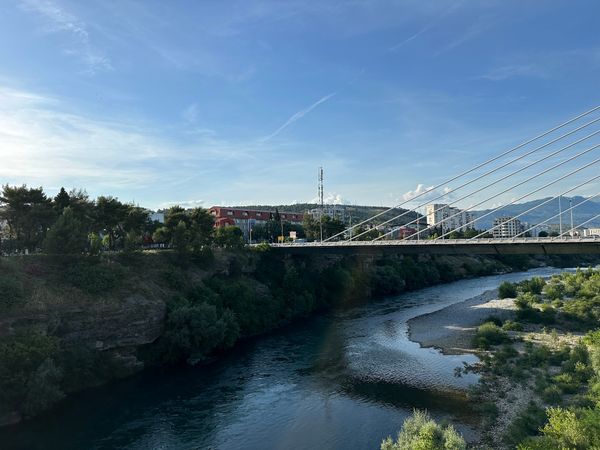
(421, 432)
(489, 334)
(11, 291)
(507, 290)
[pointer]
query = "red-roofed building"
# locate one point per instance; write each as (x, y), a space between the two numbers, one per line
(245, 219)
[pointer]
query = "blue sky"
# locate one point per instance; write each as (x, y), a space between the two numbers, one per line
(238, 102)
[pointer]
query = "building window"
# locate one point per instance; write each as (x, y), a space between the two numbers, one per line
(257, 214)
(245, 213)
(230, 213)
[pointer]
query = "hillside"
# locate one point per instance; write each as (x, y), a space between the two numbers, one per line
(580, 214)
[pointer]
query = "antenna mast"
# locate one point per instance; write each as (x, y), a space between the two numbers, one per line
(320, 190)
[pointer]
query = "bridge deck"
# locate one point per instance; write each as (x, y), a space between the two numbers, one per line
(517, 246)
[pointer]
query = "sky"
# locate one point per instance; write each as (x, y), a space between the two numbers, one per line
(239, 102)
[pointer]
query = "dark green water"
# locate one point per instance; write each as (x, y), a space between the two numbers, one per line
(342, 381)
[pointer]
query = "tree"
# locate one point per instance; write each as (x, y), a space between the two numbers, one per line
(420, 432)
(110, 214)
(201, 228)
(135, 219)
(28, 212)
(62, 200)
(544, 234)
(66, 236)
(229, 236)
(180, 237)
(161, 235)
(312, 227)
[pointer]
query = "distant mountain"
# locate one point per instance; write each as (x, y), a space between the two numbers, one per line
(580, 214)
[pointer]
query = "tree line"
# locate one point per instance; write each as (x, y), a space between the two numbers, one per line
(73, 223)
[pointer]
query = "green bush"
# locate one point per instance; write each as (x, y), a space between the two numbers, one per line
(95, 278)
(554, 291)
(195, 329)
(11, 291)
(421, 432)
(533, 286)
(489, 334)
(510, 325)
(27, 367)
(552, 395)
(507, 290)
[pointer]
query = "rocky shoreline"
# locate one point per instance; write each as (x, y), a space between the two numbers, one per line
(452, 328)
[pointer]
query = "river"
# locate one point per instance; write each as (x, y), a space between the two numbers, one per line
(344, 380)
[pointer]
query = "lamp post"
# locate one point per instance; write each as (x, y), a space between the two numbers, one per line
(559, 217)
(571, 208)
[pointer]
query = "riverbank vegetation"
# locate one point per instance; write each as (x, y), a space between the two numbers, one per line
(540, 383)
(421, 432)
(73, 321)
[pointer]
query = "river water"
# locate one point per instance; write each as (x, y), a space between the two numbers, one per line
(344, 380)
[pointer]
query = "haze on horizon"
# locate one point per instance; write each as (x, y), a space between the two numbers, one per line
(239, 102)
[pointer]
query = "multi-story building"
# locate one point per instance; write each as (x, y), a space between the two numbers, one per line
(245, 219)
(448, 217)
(506, 227)
(589, 232)
(334, 211)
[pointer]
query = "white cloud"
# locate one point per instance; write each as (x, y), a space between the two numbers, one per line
(419, 190)
(58, 20)
(183, 204)
(332, 198)
(42, 142)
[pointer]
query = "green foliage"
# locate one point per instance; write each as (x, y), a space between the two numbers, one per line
(489, 334)
(28, 212)
(420, 432)
(330, 227)
(554, 291)
(43, 388)
(525, 424)
(195, 329)
(67, 235)
(525, 300)
(11, 291)
(510, 325)
(567, 429)
(229, 237)
(28, 375)
(92, 276)
(507, 290)
(532, 286)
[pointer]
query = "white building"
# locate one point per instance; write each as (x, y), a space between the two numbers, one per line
(448, 217)
(333, 211)
(157, 217)
(588, 232)
(506, 227)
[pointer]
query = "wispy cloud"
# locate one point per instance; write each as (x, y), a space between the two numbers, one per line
(400, 44)
(297, 116)
(478, 27)
(426, 28)
(58, 20)
(190, 113)
(515, 71)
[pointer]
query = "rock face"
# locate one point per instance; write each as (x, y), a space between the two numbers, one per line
(119, 325)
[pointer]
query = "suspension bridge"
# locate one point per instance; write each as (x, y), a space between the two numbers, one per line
(561, 161)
